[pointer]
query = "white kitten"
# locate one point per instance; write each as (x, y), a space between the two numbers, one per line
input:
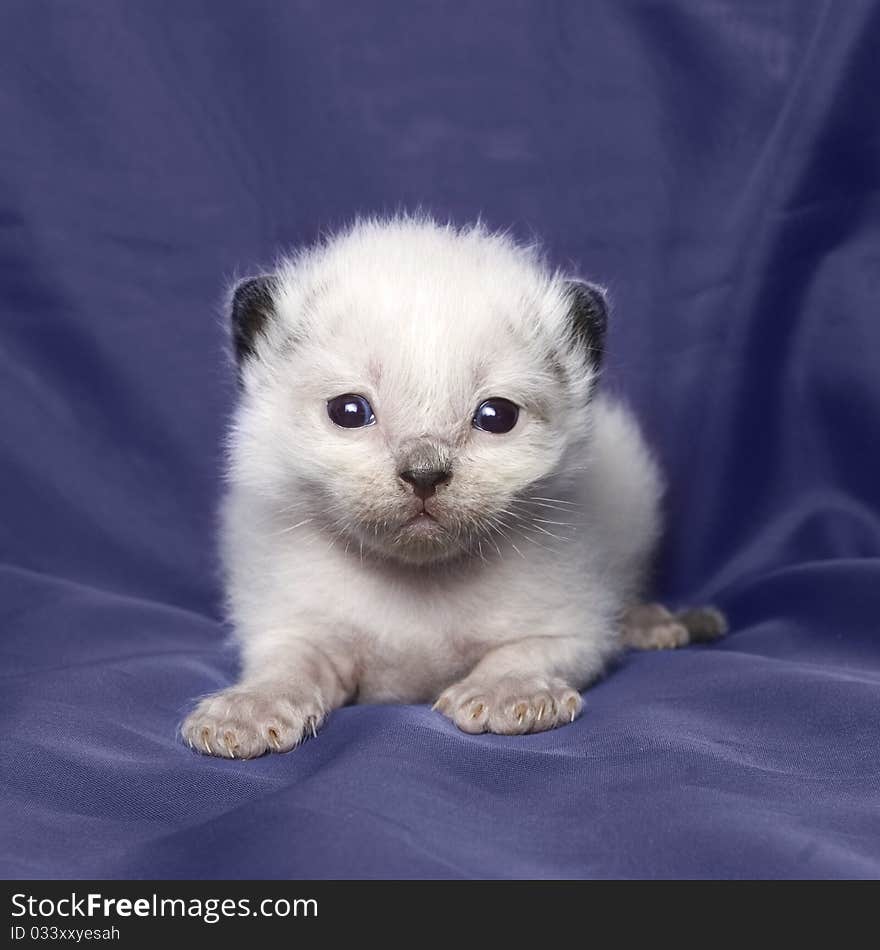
(428, 502)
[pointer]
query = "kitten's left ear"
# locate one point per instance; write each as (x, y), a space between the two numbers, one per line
(253, 306)
(588, 313)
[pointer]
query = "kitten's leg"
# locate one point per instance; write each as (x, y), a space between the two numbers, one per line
(653, 627)
(527, 686)
(283, 696)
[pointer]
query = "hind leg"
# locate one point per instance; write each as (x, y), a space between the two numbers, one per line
(653, 627)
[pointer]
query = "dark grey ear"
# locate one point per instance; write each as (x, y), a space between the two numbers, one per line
(589, 318)
(253, 306)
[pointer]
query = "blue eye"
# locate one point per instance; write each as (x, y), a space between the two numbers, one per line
(496, 415)
(350, 411)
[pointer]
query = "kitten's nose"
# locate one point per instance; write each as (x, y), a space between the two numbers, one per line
(424, 481)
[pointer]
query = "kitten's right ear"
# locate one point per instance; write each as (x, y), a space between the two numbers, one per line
(253, 306)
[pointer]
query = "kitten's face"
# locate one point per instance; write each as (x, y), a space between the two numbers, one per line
(415, 403)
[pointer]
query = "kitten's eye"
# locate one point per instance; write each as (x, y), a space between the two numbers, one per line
(350, 411)
(496, 415)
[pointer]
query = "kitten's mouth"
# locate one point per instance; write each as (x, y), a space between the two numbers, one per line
(422, 521)
(419, 537)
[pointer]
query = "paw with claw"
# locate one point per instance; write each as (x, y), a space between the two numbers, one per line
(510, 706)
(653, 627)
(243, 723)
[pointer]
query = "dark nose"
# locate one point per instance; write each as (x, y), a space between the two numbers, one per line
(424, 481)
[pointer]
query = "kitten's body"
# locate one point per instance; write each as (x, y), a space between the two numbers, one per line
(413, 630)
(510, 597)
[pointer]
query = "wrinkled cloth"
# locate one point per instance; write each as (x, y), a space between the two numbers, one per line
(715, 165)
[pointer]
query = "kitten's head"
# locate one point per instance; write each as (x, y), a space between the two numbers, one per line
(409, 387)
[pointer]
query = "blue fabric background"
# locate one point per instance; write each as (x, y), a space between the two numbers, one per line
(717, 165)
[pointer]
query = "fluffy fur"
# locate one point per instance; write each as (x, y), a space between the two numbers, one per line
(510, 598)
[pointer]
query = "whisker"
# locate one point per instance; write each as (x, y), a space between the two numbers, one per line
(503, 535)
(293, 527)
(549, 534)
(531, 540)
(498, 526)
(532, 519)
(532, 523)
(529, 503)
(558, 501)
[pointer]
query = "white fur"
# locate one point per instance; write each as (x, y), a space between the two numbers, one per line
(502, 617)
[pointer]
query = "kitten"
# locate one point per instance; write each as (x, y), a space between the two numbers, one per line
(428, 501)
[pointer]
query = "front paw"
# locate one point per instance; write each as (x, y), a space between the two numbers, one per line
(510, 706)
(241, 723)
